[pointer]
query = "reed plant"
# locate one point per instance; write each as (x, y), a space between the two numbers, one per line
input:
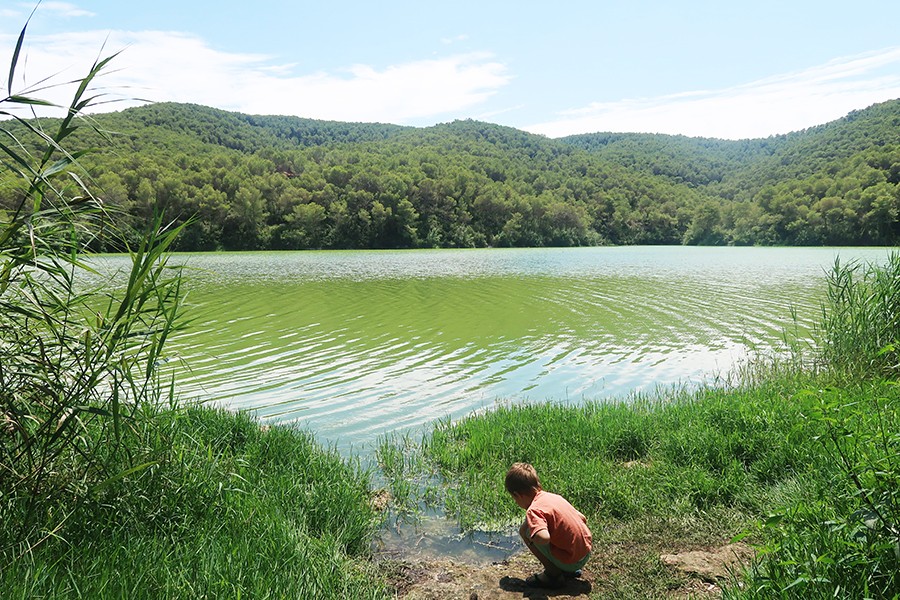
(77, 366)
(109, 487)
(860, 327)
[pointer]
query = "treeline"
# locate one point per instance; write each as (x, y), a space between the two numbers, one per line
(267, 182)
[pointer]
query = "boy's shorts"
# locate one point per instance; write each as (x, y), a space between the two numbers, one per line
(566, 567)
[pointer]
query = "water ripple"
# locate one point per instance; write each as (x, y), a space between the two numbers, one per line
(356, 344)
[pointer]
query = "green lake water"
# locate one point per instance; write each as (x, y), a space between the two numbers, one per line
(353, 345)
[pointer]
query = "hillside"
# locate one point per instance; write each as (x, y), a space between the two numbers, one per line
(259, 182)
(730, 167)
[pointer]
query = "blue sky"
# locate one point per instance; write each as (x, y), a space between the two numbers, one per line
(730, 69)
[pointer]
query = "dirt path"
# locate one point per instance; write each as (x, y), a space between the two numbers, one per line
(698, 572)
(440, 580)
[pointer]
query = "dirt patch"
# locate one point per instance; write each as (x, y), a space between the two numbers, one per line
(700, 573)
(441, 580)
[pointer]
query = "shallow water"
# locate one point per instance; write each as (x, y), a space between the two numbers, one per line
(432, 536)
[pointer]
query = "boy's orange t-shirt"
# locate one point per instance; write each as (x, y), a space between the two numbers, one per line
(570, 538)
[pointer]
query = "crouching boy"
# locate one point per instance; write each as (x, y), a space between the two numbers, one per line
(555, 532)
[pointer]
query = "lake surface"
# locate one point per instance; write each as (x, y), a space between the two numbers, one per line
(356, 344)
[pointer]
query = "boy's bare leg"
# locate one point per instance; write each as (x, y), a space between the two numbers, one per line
(552, 570)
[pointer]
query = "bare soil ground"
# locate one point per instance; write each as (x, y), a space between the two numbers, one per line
(439, 580)
(693, 574)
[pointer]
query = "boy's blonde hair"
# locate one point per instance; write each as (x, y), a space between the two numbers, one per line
(522, 478)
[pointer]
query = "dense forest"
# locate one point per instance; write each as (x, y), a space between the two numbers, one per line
(270, 182)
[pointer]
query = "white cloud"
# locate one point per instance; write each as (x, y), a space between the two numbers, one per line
(64, 9)
(171, 66)
(397, 94)
(778, 104)
(45, 10)
(453, 40)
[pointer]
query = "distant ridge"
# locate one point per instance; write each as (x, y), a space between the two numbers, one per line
(259, 182)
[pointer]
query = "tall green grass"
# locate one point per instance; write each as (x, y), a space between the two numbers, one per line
(229, 509)
(860, 328)
(667, 456)
(77, 367)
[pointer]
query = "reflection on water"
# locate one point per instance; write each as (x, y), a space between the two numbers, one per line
(356, 344)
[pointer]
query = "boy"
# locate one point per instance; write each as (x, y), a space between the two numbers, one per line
(553, 530)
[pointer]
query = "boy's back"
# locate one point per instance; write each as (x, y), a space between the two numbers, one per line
(570, 538)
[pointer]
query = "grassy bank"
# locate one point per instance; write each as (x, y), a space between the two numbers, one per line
(690, 471)
(226, 511)
(800, 459)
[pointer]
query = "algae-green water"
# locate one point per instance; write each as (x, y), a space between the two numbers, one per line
(360, 343)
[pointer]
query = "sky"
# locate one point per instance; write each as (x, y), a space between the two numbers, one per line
(731, 69)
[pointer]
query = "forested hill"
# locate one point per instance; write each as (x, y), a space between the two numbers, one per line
(260, 182)
(743, 167)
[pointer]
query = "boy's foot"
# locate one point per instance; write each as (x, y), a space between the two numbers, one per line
(572, 574)
(542, 580)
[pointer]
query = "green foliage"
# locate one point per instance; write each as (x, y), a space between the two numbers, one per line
(695, 161)
(261, 182)
(845, 544)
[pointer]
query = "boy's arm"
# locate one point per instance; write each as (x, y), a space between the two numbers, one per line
(537, 525)
(541, 537)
